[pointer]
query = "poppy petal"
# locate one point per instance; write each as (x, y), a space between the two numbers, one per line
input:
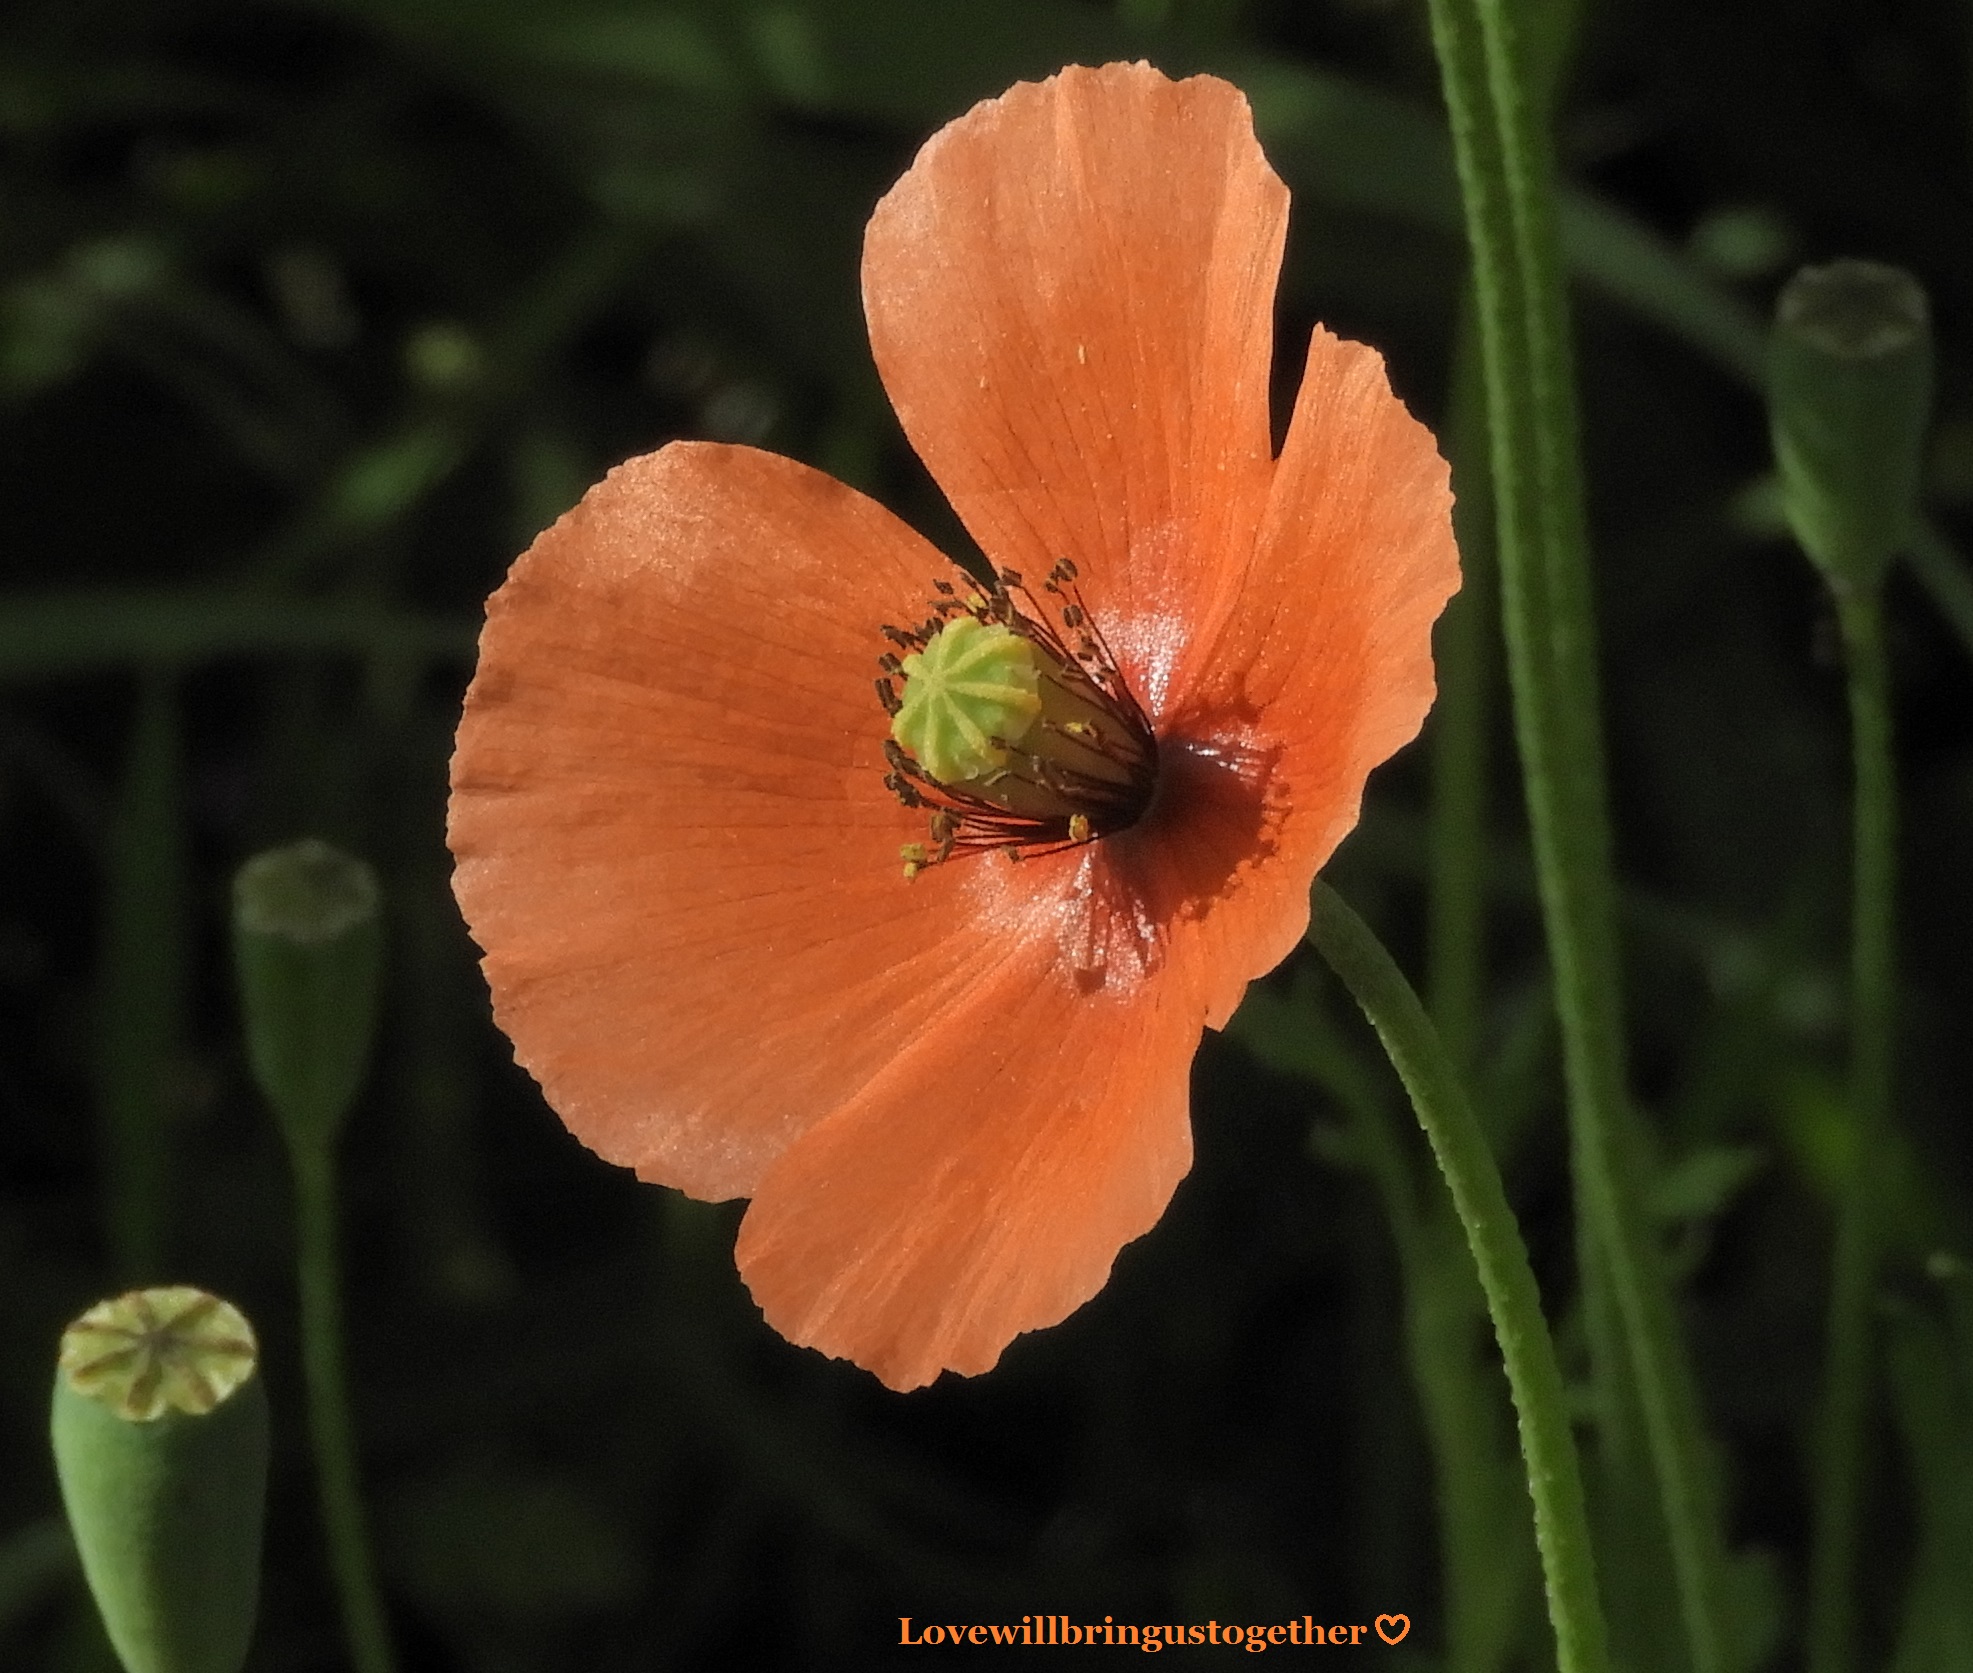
(673, 838)
(1070, 297)
(1323, 668)
(983, 1188)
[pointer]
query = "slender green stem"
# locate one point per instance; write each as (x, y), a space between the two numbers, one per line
(330, 1428)
(1846, 1373)
(1506, 174)
(1484, 1556)
(1547, 1445)
(1486, 1552)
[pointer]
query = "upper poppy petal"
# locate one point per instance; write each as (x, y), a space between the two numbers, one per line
(1070, 297)
(1323, 667)
(984, 1186)
(673, 838)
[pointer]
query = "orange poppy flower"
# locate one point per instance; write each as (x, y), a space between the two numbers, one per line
(684, 821)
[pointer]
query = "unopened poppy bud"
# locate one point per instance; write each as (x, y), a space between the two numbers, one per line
(1849, 393)
(159, 1425)
(307, 943)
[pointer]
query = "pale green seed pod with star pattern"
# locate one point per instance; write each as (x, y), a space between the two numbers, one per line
(160, 1435)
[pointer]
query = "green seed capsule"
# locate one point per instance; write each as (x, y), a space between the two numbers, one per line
(1849, 398)
(159, 1427)
(308, 947)
(972, 691)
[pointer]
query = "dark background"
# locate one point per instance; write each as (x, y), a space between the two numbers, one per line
(311, 315)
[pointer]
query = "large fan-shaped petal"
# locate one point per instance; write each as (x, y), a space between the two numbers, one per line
(984, 1185)
(673, 839)
(1070, 296)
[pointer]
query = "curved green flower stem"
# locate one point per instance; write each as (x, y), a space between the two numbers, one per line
(1547, 1445)
(1506, 176)
(330, 1429)
(1484, 1562)
(1846, 1374)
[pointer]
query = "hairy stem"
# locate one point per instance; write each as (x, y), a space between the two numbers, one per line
(1548, 1448)
(1506, 174)
(1846, 1372)
(331, 1431)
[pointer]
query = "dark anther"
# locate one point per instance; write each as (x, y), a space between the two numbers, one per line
(1072, 616)
(890, 664)
(942, 587)
(1010, 580)
(897, 636)
(889, 698)
(1063, 570)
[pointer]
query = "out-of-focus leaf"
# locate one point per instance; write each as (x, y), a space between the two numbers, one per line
(63, 634)
(509, 1546)
(763, 224)
(1934, 1407)
(126, 294)
(381, 479)
(1812, 1119)
(34, 1560)
(895, 61)
(909, 65)
(1700, 1185)
(1944, 574)
(1756, 1608)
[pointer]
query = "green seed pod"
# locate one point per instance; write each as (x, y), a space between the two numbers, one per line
(308, 946)
(159, 1427)
(1849, 396)
(972, 691)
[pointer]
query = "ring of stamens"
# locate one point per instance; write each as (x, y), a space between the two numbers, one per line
(1084, 764)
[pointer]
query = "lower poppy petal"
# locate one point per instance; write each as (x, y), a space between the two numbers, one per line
(983, 1187)
(673, 838)
(1323, 668)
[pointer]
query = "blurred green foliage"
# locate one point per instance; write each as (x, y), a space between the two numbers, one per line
(312, 314)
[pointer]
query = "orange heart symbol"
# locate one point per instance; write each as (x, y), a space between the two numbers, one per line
(1392, 1628)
